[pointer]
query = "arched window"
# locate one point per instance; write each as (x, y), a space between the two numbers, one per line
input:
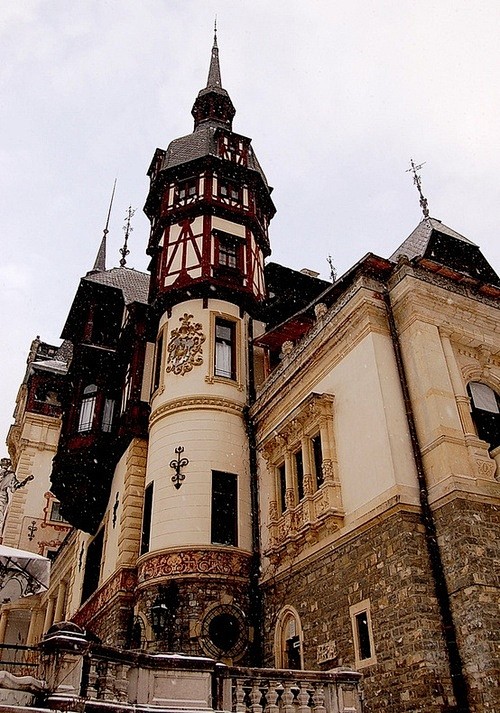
(87, 408)
(288, 640)
(485, 409)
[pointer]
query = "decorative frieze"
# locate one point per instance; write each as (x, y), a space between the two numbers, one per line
(194, 562)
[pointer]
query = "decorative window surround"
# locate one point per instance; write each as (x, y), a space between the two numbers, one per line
(212, 377)
(319, 511)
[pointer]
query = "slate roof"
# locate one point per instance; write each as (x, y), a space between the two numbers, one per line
(202, 143)
(416, 243)
(133, 284)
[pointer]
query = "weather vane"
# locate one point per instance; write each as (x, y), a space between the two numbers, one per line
(124, 251)
(417, 181)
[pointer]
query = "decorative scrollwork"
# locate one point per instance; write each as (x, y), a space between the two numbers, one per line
(185, 346)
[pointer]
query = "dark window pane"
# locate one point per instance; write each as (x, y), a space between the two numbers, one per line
(299, 473)
(146, 518)
(318, 460)
(282, 486)
(93, 565)
(364, 646)
(158, 359)
(224, 508)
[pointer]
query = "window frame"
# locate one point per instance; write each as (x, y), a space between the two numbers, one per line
(88, 408)
(355, 611)
(236, 356)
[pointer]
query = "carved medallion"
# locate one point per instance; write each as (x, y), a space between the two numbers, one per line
(185, 346)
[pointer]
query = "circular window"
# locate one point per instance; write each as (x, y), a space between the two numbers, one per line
(224, 632)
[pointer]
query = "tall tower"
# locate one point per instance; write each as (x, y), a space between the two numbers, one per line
(209, 205)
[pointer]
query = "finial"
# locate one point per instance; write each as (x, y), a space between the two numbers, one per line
(124, 251)
(100, 260)
(418, 183)
(215, 31)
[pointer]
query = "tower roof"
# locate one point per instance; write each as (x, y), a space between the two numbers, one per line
(213, 105)
(416, 243)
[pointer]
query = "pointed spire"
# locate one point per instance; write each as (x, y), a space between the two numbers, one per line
(213, 103)
(214, 79)
(100, 260)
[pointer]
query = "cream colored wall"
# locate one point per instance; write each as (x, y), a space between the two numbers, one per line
(204, 415)
(447, 340)
(112, 534)
(212, 440)
(373, 445)
(37, 445)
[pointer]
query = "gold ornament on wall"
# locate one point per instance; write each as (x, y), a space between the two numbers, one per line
(185, 346)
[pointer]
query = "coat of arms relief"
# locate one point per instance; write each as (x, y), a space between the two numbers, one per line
(185, 346)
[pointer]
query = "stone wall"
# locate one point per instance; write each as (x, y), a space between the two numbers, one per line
(387, 564)
(469, 538)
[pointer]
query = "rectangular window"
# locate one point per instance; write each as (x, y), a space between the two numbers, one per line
(146, 518)
(318, 460)
(86, 417)
(93, 566)
(55, 512)
(158, 363)
(225, 357)
(228, 254)
(299, 473)
(364, 649)
(282, 486)
(224, 508)
(107, 415)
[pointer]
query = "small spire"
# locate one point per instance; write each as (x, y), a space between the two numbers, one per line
(124, 251)
(100, 260)
(214, 79)
(417, 181)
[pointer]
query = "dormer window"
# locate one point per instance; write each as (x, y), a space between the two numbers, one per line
(87, 408)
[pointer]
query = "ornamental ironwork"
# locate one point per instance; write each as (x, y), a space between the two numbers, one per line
(178, 478)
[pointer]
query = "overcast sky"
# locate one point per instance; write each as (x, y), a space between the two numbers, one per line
(336, 95)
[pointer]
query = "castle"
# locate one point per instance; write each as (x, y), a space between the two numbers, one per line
(237, 460)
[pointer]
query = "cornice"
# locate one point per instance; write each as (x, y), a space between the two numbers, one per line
(209, 403)
(335, 334)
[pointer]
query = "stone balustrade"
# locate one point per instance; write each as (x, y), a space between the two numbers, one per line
(81, 675)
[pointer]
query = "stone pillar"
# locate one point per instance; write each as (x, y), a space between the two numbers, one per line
(4, 618)
(60, 602)
(63, 649)
(49, 614)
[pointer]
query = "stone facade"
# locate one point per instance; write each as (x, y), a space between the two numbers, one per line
(468, 537)
(387, 564)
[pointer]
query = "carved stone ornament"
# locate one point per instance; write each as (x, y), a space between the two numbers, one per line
(185, 346)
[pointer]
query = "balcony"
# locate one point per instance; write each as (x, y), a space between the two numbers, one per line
(78, 675)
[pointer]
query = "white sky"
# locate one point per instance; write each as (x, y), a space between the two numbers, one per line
(337, 96)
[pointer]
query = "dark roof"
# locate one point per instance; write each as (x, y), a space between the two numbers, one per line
(201, 143)
(289, 291)
(416, 243)
(133, 284)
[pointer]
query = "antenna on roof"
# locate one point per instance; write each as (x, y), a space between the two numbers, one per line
(124, 251)
(417, 181)
(100, 260)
